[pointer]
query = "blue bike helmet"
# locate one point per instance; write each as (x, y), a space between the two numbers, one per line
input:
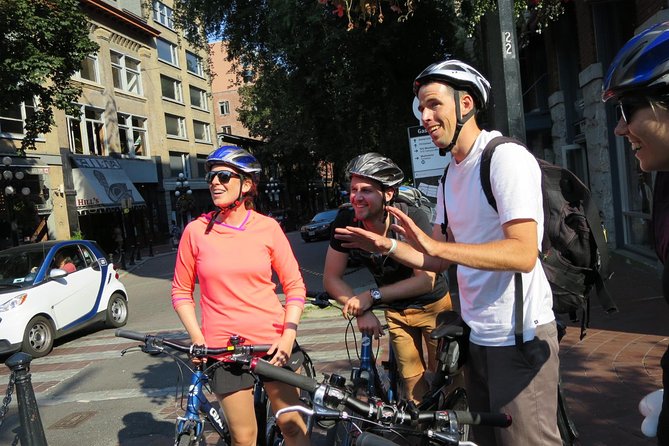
(235, 157)
(641, 67)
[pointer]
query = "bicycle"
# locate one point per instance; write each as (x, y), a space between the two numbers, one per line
(332, 400)
(189, 428)
(387, 387)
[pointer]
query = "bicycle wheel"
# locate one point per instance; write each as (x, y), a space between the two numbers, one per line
(187, 439)
(457, 400)
(566, 425)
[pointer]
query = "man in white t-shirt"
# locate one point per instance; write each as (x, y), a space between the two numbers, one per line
(489, 247)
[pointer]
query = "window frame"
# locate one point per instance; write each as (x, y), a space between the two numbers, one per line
(160, 10)
(203, 97)
(206, 131)
(134, 132)
(181, 123)
(224, 107)
(23, 111)
(174, 52)
(199, 70)
(91, 131)
(177, 87)
(96, 69)
(124, 70)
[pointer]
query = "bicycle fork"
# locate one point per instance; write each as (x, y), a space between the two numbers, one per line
(191, 423)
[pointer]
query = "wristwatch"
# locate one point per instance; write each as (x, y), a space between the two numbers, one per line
(376, 295)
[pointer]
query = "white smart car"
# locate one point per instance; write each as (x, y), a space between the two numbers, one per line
(51, 289)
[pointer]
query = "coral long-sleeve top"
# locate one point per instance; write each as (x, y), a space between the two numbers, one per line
(234, 269)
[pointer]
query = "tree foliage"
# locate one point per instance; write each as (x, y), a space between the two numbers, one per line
(322, 91)
(42, 44)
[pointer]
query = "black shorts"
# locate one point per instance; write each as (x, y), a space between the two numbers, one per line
(230, 377)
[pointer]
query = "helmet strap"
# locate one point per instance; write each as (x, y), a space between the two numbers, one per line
(461, 120)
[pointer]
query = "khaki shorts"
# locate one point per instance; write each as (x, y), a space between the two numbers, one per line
(408, 328)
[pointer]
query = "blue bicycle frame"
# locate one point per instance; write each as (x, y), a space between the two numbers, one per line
(198, 403)
(369, 372)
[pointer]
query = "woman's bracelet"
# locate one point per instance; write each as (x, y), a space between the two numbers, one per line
(393, 247)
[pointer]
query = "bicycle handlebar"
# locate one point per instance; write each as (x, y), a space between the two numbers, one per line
(198, 351)
(389, 413)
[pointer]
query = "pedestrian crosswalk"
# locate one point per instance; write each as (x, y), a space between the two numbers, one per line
(330, 346)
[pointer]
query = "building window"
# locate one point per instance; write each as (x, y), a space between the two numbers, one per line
(163, 14)
(167, 52)
(175, 126)
(13, 118)
(89, 69)
(201, 165)
(198, 98)
(132, 135)
(179, 164)
(125, 72)
(226, 129)
(201, 131)
(224, 107)
(87, 132)
(171, 89)
(194, 64)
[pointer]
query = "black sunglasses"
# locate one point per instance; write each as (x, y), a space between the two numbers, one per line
(222, 175)
(626, 110)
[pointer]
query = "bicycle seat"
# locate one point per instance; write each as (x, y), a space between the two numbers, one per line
(450, 325)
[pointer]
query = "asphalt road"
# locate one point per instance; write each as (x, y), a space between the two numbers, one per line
(88, 393)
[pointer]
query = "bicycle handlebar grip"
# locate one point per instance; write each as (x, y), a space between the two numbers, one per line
(129, 334)
(264, 368)
(369, 439)
(484, 418)
(261, 348)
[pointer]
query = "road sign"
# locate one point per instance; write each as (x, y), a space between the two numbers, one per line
(426, 163)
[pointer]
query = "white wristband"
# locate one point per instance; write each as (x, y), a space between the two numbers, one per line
(393, 246)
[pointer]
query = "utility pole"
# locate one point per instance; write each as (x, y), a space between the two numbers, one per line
(508, 113)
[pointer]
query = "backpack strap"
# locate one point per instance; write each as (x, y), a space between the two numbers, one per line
(442, 181)
(486, 159)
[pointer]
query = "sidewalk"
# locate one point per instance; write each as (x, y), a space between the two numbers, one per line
(606, 374)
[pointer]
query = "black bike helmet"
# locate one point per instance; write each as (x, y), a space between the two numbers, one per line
(641, 67)
(461, 77)
(376, 167)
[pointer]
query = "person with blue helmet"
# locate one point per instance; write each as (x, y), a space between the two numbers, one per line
(638, 82)
(231, 253)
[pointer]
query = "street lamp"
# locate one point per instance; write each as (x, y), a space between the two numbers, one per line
(273, 189)
(184, 194)
(10, 191)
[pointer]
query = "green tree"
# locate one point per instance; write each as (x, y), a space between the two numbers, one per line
(322, 92)
(42, 44)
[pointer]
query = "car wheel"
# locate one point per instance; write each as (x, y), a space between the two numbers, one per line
(38, 337)
(117, 311)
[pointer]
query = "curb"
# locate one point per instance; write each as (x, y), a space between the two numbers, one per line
(138, 263)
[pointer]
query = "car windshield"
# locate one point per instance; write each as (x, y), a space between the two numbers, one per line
(325, 216)
(19, 269)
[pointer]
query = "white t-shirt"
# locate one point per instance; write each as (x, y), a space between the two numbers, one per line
(487, 297)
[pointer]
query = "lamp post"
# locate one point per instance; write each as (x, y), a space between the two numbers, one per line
(10, 191)
(183, 193)
(314, 192)
(273, 191)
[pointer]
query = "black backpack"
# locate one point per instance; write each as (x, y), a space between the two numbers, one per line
(412, 196)
(574, 253)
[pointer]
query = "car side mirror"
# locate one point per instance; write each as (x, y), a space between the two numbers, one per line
(57, 273)
(96, 265)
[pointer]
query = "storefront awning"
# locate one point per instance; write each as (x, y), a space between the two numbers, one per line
(99, 189)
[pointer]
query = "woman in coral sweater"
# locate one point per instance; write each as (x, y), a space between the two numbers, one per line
(232, 251)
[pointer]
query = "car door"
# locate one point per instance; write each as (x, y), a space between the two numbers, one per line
(76, 295)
